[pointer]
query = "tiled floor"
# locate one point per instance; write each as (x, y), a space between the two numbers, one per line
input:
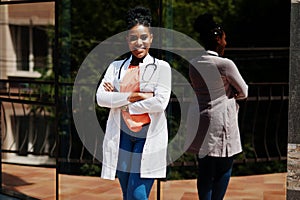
(6, 197)
(40, 183)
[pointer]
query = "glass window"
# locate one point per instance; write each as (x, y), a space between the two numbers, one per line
(27, 30)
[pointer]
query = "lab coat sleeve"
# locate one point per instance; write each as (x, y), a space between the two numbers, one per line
(111, 99)
(162, 92)
(235, 79)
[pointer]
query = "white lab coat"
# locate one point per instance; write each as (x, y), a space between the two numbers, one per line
(153, 163)
(218, 132)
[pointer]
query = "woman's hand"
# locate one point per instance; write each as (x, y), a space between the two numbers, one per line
(108, 87)
(137, 96)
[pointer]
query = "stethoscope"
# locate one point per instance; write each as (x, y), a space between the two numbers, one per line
(150, 66)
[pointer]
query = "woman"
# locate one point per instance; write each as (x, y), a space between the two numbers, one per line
(217, 84)
(136, 138)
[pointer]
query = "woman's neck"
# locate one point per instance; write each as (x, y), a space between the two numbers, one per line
(136, 61)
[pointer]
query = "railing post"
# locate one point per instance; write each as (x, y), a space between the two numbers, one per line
(0, 146)
(55, 68)
(158, 190)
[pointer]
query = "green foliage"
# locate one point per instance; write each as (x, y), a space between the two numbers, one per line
(259, 168)
(91, 170)
(180, 15)
(188, 169)
(84, 24)
(87, 23)
(94, 21)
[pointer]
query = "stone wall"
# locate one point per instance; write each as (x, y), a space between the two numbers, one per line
(293, 175)
(293, 167)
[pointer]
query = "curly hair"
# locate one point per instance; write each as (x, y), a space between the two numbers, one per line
(138, 15)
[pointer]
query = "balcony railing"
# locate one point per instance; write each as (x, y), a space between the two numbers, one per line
(28, 125)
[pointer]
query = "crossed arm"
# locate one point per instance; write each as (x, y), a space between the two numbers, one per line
(133, 97)
(156, 100)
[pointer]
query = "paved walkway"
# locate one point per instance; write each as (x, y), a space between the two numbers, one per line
(40, 183)
(6, 197)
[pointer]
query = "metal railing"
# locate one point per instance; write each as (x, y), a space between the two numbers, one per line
(27, 123)
(28, 106)
(262, 120)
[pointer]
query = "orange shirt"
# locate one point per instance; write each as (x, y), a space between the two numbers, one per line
(131, 83)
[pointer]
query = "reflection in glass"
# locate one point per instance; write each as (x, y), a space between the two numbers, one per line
(27, 30)
(26, 54)
(27, 128)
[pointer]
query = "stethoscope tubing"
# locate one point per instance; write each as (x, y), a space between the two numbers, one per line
(153, 64)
